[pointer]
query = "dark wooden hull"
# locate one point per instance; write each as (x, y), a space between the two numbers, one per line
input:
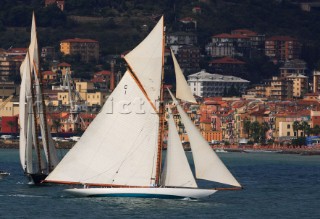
(36, 178)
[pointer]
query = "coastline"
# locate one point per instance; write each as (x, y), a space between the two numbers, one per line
(13, 144)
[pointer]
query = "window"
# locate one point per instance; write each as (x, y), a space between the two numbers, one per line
(288, 126)
(288, 133)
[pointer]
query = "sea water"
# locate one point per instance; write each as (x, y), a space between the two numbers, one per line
(275, 186)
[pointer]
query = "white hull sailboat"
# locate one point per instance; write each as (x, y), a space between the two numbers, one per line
(167, 193)
(37, 157)
(120, 154)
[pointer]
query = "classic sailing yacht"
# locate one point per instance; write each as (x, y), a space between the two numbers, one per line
(32, 117)
(120, 153)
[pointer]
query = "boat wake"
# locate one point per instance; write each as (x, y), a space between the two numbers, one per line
(25, 196)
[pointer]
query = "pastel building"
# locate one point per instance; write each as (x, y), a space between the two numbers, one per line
(205, 84)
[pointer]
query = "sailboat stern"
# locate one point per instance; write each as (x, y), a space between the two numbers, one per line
(162, 193)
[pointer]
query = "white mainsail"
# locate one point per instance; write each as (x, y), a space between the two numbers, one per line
(120, 145)
(176, 172)
(183, 90)
(207, 164)
(146, 62)
(25, 79)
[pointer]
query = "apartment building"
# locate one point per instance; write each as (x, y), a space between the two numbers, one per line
(88, 49)
(207, 85)
(282, 48)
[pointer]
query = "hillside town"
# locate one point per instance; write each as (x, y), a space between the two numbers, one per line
(233, 110)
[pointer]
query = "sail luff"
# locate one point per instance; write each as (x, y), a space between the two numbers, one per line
(207, 164)
(161, 116)
(177, 171)
(183, 90)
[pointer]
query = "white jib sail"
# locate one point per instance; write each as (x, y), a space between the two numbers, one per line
(207, 164)
(120, 145)
(183, 90)
(146, 62)
(176, 170)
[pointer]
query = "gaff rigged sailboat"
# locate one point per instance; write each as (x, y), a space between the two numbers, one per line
(32, 117)
(120, 153)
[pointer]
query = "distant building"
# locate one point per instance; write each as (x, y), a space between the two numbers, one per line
(282, 48)
(59, 3)
(104, 80)
(9, 124)
(179, 39)
(48, 52)
(49, 77)
(189, 24)
(207, 85)
(299, 85)
(10, 61)
(88, 49)
(315, 118)
(189, 58)
(280, 89)
(316, 82)
(196, 10)
(295, 66)
(227, 66)
(240, 42)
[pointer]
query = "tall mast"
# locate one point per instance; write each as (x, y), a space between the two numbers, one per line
(35, 125)
(161, 118)
(40, 79)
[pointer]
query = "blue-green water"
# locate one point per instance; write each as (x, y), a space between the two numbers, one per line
(276, 186)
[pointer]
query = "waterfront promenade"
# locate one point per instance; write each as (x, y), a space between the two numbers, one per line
(304, 150)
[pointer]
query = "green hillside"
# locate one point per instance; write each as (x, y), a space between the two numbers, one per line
(117, 25)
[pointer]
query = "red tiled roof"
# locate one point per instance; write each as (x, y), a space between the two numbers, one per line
(48, 73)
(281, 38)
(231, 36)
(103, 72)
(64, 64)
(245, 32)
(98, 80)
(78, 40)
(17, 50)
(87, 116)
(187, 19)
(227, 60)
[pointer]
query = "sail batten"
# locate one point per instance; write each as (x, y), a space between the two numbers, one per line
(207, 164)
(183, 91)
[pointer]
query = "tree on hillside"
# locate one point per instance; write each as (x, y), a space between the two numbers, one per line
(295, 127)
(246, 126)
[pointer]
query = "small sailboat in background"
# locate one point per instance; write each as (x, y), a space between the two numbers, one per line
(32, 117)
(3, 174)
(120, 154)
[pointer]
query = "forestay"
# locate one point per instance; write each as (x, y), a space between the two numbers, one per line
(176, 172)
(208, 165)
(120, 145)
